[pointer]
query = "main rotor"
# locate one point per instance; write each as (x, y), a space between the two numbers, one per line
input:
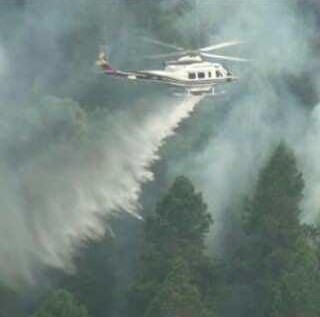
(204, 52)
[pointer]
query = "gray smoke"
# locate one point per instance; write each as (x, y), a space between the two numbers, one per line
(68, 162)
(57, 192)
(265, 106)
(74, 150)
(308, 152)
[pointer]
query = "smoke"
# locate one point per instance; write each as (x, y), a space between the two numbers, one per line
(57, 193)
(2, 62)
(70, 161)
(308, 154)
(264, 108)
(55, 197)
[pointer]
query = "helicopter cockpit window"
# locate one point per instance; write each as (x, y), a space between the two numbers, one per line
(201, 75)
(191, 75)
(218, 73)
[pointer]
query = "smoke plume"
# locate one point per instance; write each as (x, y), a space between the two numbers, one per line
(75, 146)
(56, 196)
(69, 161)
(271, 103)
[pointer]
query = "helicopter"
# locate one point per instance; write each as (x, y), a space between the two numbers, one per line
(190, 71)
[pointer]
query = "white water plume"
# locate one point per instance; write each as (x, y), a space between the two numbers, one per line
(57, 196)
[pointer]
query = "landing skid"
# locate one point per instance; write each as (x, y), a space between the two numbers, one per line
(199, 93)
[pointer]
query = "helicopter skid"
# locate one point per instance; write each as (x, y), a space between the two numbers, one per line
(199, 92)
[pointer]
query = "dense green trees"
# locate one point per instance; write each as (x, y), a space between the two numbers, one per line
(94, 280)
(277, 263)
(174, 272)
(10, 302)
(177, 295)
(273, 271)
(61, 304)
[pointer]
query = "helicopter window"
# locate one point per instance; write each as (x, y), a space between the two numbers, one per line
(209, 74)
(201, 75)
(218, 73)
(191, 75)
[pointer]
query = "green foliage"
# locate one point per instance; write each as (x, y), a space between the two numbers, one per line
(278, 262)
(178, 227)
(61, 304)
(181, 217)
(94, 280)
(274, 210)
(178, 295)
(297, 291)
(175, 274)
(10, 304)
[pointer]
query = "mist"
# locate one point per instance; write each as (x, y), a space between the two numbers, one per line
(72, 156)
(263, 109)
(76, 147)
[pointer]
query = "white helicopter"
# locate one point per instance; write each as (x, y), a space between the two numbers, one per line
(190, 71)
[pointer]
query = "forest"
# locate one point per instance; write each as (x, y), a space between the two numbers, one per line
(271, 270)
(101, 217)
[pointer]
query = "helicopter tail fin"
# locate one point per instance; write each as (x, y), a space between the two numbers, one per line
(103, 62)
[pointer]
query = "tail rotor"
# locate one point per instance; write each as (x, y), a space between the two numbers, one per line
(102, 60)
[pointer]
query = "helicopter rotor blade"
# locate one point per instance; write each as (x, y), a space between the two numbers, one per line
(173, 54)
(227, 58)
(163, 44)
(220, 45)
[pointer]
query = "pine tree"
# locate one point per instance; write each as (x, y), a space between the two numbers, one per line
(61, 304)
(10, 302)
(176, 231)
(94, 280)
(178, 295)
(278, 262)
(181, 220)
